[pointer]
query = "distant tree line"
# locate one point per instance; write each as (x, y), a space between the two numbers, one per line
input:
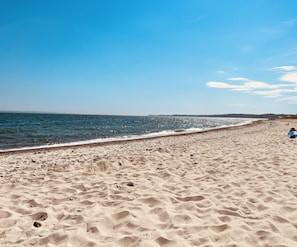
(241, 115)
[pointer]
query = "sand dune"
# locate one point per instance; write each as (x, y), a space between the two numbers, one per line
(232, 187)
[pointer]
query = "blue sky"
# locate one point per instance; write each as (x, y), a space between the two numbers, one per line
(148, 57)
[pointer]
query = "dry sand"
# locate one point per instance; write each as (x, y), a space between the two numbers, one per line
(232, 187)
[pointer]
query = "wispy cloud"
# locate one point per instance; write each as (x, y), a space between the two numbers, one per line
(285, 68)
(237, 79)
(275, 93)
(217, 84)
(248, 85)
(281, 91)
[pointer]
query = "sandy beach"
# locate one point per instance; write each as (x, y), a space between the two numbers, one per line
(229, 187)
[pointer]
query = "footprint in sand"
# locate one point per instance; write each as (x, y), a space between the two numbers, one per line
(32, 203)
(132, 241)
(4, 214)
(225, 219)
(100, 166)
(6, 223)
(40, 216)
(165, 242)
(161, 213)
(93, 229)
(150, 201)
(279, 219)
(220, 228)
(190, 198)
(263, 234)
(182, 218)
(204, 204)
(120, 215)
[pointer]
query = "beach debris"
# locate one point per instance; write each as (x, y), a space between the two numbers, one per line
(36, 224)
(179, 130)
(130, 184)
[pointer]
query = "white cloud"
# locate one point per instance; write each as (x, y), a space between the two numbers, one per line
(259, 84)
(283, 92)
(290, 77)
(275, 93)
(237, 79)
(285, 68)
(268, 94)
(246, 86)
(217, 84)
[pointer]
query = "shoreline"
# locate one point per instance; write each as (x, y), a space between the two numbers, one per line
(118, 141)
(228, 187)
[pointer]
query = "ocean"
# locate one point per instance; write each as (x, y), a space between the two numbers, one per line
(27, 131)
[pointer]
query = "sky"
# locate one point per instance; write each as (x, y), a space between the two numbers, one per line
(136, 57)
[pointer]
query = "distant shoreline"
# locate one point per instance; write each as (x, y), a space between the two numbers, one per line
(234, 115)
(227, 115)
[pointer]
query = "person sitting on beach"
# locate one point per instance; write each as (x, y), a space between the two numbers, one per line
(292, 133)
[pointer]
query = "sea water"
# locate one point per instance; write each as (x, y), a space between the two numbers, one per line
(26, 131)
